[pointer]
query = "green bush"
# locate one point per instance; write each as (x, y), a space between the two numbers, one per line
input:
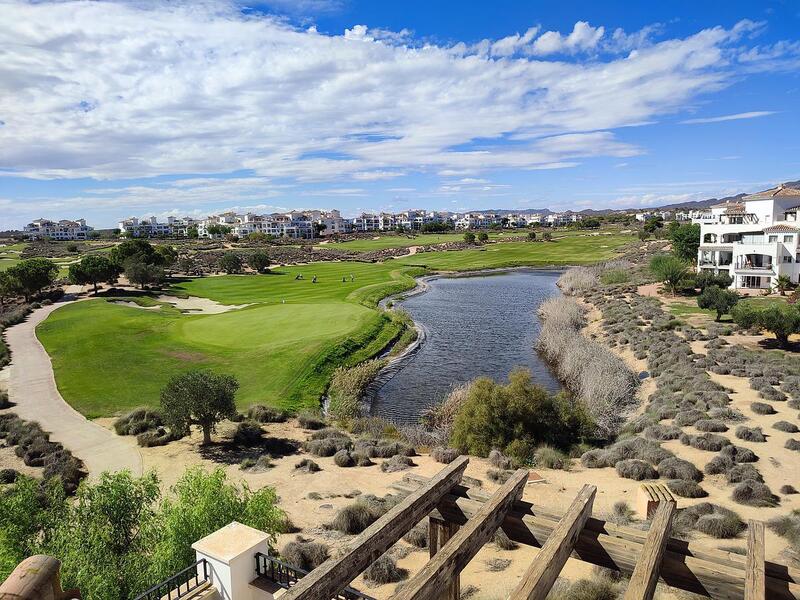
(546, 457)
(304, 554)
(266, 414)
(780, 319)
(495, 415)
(670, 270)
(347, 387)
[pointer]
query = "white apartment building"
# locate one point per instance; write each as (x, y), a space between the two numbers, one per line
(754, 240)
(151, 227)
(292, 224)
(63, 230)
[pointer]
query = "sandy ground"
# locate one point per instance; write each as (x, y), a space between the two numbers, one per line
(198, 305)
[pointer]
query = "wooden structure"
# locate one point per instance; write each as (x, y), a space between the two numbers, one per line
(462, 520)
(650, 496)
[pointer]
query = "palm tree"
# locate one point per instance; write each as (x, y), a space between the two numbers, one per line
(783, 283)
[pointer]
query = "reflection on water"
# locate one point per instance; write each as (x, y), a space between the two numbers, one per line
(476, 326)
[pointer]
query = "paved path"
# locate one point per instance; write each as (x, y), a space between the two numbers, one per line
(32, 387)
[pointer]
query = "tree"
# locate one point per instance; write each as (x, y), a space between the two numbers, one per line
(653, 223)
(230, 262)
(165, 255)
(469, 237)
(686, 241)
(8, 287)
(483, 236)
(531, 236)
(643, 235)
(783, 283)
(318, 228)
(191, 232)
(257, 236)
(200, 398)
(142, 273)
(717, 299)
(215, 230)
(136, 247)
(704, 279)
(93, 269)
(31, 276)
(547, 236)
(780, 319)
(259, 261)
(670, 270)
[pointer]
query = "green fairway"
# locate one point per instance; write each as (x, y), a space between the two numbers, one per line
(405, 241)
(571, 250)
(110, 357)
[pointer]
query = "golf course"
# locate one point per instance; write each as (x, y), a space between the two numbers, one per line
(282, 337)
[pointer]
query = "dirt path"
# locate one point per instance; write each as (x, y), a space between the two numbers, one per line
(32, 388)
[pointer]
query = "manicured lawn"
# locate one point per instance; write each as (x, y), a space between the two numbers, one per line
(571, 250)
(110, 357)
(404, 241)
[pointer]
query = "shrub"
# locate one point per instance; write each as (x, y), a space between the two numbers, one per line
(677, 468)
(397, 463)
(743, 472)
(725, 413)
(310, 421)
(792, 445)
(498, 460)
(328, 446)
(266, 414)
(739, 454)
(710, 425)
(780, 319)
(155, 437)
(718, 465)
(305, 555)
(762, 408)
(4, 401)
(788, 527)
(440, 417)
(444, 455)
(347, 387)
(384, 570)
(418, 535)
(576, 280)
(354, 518)
(494, 415)
(8, 476)
(307, 465)
(785, 426)
(247, 433)
(686, 488)
(719, 300)
(596, 588)
(502, 540)
(621, 513)
(689, 417)
(721, 526)
(549, 458)
(362, 459)
(705, 441)
(138, 421)
(495, 565)
(669, 270)
(750, 434)
(498, 476)
(788, 489)
(343, 459)
(635, 469)
(662, 432)
(754, 493)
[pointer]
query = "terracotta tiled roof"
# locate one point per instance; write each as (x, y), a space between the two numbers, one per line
(735, 209)
(776, 192)
(780, 229)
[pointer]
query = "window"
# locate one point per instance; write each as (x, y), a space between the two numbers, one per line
(787, 239)
(773, 238)
(787, 259)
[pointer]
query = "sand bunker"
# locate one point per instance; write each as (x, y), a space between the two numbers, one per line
(198, 305)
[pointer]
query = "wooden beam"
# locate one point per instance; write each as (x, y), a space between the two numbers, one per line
(687, 565)
(464, 545)
(754, 581)
(327, 580)
(439, 533)
(543, 571)
(643, 582)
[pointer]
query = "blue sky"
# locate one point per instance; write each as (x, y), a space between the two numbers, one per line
(113, 109)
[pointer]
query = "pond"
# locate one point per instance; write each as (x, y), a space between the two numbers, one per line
(474, 326)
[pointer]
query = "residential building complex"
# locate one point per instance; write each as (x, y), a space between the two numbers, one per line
(146, 228)
(754, 239)
(62, 231)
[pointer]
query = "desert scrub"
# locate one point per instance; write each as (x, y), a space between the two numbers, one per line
(598, 587)
(356, 517)
(347, 388)
(686, 488)
(266, 414)
(785, 426)
(384, 570)
(588, 369)
(304, 554)
(417, 536)
(621, 513)
(398, 462)
(307, 465)
(546, 457)
(754, 493)
(502, 541)
(498, 460)
(739, 454)
(762, 408)
(743, 472)
(711, 426)
(792, 444)
(711, 519)
(499, 476)
(577, 279)
(444, 455)
(635, 469)
(788, 527)
(138, 421)
(494, 415)
(705, 441)
(310, 421)
(750, 434)
(678, 468)
(247, 433)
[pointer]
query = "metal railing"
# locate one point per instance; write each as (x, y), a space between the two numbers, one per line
(286, 576)
(180, 584)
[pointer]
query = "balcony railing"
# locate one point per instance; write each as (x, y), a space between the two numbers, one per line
(746, 267)
(286, 576)
(180, 584)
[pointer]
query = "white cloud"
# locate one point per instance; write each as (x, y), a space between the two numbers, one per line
(125, 90)
(737, 117)
(583, 37)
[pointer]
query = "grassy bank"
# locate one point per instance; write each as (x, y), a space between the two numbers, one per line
(111, 357)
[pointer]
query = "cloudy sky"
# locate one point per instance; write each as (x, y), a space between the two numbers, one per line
(112, 109)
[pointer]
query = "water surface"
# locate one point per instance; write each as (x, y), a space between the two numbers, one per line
(475, 326)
